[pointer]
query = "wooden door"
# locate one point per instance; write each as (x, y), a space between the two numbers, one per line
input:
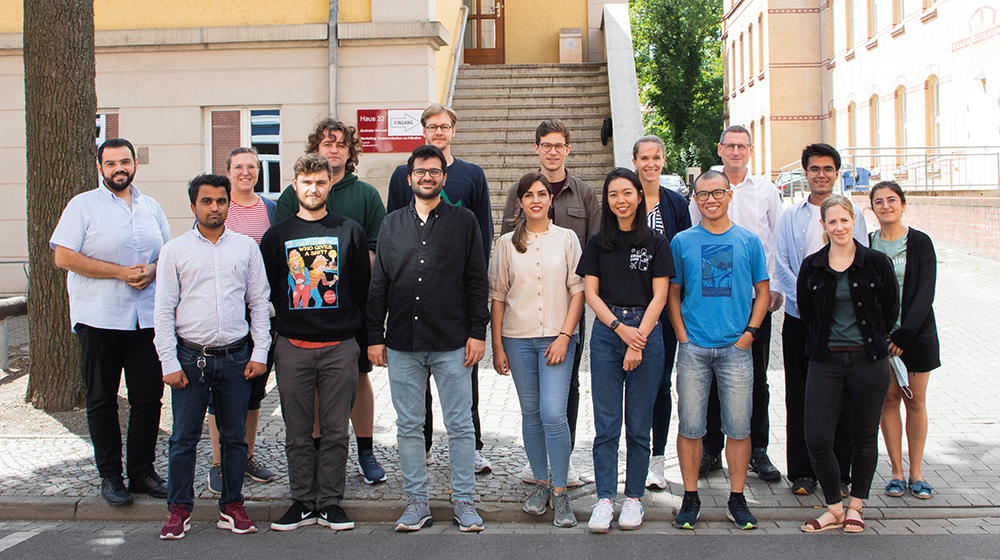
(484, 32)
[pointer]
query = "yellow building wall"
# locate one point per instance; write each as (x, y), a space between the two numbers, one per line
(354, 11)
(450, 15)
(531, 28)
(11, 16)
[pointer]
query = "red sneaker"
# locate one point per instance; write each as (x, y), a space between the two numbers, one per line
(180, 521)
(234, 518)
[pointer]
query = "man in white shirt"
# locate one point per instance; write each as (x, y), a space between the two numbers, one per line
(208, 277)
(109, 240)
(756, 206)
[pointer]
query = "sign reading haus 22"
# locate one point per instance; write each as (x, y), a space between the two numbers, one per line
(390, 130)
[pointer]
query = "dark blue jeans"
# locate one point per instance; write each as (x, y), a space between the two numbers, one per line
(608, 379)
(222, 380)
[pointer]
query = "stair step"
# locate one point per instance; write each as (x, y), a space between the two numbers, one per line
(567, 89)
(541, 98)
(508, 69)
(528, 80)
(525, 147)
(524, 136)
(557, 110)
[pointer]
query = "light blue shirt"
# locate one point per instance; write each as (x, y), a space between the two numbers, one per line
(789, 248)
(99, 225)
(718, 272)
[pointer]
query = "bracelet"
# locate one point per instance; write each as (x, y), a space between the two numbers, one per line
(566, 335)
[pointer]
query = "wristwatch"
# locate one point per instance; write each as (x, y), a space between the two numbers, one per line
(614, 324)
(752, 331)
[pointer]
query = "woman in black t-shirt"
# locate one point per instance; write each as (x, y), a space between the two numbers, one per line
(626, 267)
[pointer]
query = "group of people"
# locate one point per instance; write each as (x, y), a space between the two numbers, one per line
(328, 283)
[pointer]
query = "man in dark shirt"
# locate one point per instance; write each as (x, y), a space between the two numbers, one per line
(430, 277)
(466, 187)
(318, 268)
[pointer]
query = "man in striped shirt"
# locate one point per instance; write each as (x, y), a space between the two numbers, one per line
(207, 278)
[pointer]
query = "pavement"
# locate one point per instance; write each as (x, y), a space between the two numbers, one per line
(47, 470)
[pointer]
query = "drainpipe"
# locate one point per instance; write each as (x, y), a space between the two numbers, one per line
(332, 56)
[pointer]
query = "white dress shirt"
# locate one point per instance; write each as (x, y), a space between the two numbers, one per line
(204, 290)
(99, 225)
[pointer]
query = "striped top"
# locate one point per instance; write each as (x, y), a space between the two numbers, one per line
(249, 220)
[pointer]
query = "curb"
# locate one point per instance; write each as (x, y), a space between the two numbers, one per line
(145, 509)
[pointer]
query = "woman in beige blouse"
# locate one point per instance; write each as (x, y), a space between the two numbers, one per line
(537, 301)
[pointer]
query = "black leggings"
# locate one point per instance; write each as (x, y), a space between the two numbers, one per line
(860, 382)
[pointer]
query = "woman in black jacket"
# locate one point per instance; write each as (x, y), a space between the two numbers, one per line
(914, 336)
(847, 297)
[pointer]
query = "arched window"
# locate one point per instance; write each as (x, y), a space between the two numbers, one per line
(898, 12)
(760, 41)
(872, 18)
(742, 62)
(733, 65)
(849, 23)
(873, 131)
(833, 127)
(932, 111)
(900, 107)
(750, 50)
(762, 149)
(852, 125)
(753, 140)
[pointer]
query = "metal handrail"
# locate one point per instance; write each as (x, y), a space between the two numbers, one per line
(459, 47)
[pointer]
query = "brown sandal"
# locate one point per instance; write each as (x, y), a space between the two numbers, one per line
(814, 525)
(854, 525)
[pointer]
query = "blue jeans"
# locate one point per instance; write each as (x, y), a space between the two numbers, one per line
(542, 391)
(607, 378)
(732, 369)
(222, 380)
(408, 383)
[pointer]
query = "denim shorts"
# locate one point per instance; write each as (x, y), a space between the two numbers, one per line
(732, 368)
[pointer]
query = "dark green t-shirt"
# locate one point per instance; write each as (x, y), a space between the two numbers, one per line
(844, 328)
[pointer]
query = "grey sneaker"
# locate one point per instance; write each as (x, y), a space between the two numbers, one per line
(466, 517)
(415, 517)
(482, 463)
(539, 498)
(563, 510)
(257, 471)
(215, 479)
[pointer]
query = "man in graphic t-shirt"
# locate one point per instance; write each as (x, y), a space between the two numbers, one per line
(716, 303)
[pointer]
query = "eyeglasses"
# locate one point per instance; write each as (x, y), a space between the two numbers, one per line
(435, 127)
(731, 147)
(717, 194)
(891, 201)
(546, 147)
(434, 173)
(814, 171)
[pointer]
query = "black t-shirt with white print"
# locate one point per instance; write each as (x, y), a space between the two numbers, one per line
(627, 273)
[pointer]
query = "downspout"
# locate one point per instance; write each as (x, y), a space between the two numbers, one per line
(332, 56)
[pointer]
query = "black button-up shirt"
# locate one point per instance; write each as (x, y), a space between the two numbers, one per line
(431, 279)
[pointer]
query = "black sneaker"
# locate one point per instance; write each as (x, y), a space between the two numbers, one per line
(114, 492)
(335, 518)
(845, 489)
(739, 513)
(803, 486)
(687, 516)
(761, 464)
(297, 516)
(709, 463)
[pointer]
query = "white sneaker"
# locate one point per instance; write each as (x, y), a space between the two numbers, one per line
(655, 478)
(527, 475)
(573, 477)
(429, 460)
(600, 518)
(482, 463)
(630, 517)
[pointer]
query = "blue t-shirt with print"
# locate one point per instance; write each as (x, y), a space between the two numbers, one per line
(717, 273)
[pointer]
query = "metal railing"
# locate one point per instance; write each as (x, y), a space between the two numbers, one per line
(456, 55)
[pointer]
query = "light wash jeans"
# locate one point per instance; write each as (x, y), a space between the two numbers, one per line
(542, 391)
(732, 368)
(407, 383)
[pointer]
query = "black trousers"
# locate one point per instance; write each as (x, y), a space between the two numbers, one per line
(713, 441)
(856, 379)
(104, 353)
(663, 406)
(793, 346)
(429, 418)
(573, 399)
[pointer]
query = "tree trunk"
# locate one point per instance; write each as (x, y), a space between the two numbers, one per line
(60, 108)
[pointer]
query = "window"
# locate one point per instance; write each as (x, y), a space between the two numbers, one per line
(762, 148)
(257, 128)
(106, 128)
(831, 32)
(872, 18)
(932, 112)
(849, 23)
(900, 115)
(750, 50)
(733, 65)
(898, 11)
(760, 41)
(852, 125)
(833, 126)
(873, 132)
(753, 140)
(742, 62)
(726, 75)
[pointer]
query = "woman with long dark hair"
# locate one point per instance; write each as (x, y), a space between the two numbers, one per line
(913, 338)
(848, 298)
(626, 268)
(537, 302)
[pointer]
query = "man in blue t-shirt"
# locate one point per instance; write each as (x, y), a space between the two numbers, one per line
(716, 303)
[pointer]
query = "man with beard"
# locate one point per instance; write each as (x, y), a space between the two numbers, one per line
(109, 240)
(208, 278)
(430, 277)
(316, 355)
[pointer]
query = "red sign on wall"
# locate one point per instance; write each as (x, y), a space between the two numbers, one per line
(390, 130)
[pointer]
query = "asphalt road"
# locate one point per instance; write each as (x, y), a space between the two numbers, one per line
(500, 541)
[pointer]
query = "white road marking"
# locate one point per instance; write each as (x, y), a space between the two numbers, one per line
(15, 539)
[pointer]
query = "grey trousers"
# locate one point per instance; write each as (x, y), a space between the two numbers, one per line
(316, 480)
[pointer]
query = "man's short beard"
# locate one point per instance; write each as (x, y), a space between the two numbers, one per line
(116, 187)
(434, 194)
(310, 207)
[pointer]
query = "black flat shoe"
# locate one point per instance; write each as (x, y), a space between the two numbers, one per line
(150, 484)
(113, 491)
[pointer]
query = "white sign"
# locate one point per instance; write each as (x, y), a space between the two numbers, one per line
(404, 123)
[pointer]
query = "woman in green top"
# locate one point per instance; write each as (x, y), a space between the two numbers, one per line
(913, 338)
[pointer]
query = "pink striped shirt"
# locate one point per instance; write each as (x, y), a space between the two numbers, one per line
(249, 220)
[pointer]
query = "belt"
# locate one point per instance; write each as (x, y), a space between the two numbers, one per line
(846, 348)
(214, 350)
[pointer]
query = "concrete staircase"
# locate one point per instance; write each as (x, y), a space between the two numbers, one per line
(499, 108)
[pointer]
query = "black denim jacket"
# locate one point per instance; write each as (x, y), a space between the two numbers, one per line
(874, 295)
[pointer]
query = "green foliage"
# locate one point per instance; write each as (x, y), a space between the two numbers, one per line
(679, 64)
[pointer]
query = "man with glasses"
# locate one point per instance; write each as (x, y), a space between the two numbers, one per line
(721, 281)
(575, 207)
(466, 187)
(799, 235)
(430, 278)
(756, 206)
